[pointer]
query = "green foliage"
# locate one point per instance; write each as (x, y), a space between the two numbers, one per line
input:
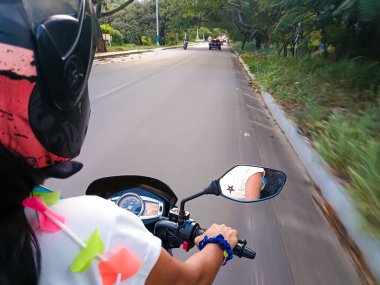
(367, 10)
(137, 22)
(177, 18)
(350, 146)
(337, 105)
(126, 47)
(298, 27)
(340, 140)
(365, 176)
(117, 37)
(204, 31)
(146, 41)
(172, 39)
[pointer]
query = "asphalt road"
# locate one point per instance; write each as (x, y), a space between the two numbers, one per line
(185, 117)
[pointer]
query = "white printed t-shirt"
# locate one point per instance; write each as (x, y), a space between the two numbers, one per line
(236, 179)
(118, 229)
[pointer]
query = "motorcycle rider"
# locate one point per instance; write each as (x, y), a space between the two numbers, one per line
(185, 40)
(46, 53)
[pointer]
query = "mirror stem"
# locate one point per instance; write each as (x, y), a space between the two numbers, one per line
(212, 189)
(181, 216)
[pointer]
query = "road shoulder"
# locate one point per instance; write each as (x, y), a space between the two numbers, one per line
(332, 197)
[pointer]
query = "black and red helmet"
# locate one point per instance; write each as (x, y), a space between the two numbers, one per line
(46, 53)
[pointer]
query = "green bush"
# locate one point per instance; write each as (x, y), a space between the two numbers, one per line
(337, 105)
(146, 41)
(117, 37)
(365, 177)
(172, 39)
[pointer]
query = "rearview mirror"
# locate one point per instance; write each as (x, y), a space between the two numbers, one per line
(242, 183)
(246, 183)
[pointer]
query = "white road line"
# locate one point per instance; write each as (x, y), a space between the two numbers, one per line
(261, 125)
(250, 96)
(117, 88)
(112, 90)
(254, 108)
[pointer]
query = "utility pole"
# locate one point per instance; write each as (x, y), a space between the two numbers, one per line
(158, 34)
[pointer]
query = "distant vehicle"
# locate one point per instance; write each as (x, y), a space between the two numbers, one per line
(215, 44)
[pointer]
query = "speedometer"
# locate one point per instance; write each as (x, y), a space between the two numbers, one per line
(132, 203)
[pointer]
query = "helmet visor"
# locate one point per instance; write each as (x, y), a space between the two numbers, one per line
(50, 14)
(41, 10)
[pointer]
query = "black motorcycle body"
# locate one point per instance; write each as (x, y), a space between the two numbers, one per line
(155, 203)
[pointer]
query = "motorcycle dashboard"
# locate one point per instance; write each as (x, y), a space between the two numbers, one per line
(139, 201)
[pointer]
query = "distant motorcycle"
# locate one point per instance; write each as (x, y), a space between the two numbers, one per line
(185, 45)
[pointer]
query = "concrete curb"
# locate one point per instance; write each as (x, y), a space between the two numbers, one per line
(331, 189)
(119, 53)
(128, 52)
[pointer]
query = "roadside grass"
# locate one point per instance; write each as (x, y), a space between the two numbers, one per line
(337, 106)
(127, 47)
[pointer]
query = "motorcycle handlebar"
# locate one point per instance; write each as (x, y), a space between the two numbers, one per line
(240, 249)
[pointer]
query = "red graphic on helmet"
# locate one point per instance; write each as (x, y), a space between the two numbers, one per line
(17, 81)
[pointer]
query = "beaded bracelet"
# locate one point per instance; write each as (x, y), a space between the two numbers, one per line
(219, 239)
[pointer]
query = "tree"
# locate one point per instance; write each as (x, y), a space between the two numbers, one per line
(349, 27)
(136, 23)
(100, 45)
(177, 17)
(235, 16)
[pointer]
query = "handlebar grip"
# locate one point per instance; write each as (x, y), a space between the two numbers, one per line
(199, 231)
(239, 250)
(243, 251)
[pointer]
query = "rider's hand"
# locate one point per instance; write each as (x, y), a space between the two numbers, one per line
(230, 235)
(200, 268)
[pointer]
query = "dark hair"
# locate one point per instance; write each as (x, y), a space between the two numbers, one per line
(20, 256)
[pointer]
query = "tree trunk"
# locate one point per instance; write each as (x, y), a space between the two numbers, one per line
(244, 40)
(267, 44)
(258, 42)
(324, 42)
(100, 43)
(266, 41)
(285, 47)
(162, 35)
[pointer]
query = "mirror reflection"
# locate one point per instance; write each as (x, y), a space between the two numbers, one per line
(251, 183)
